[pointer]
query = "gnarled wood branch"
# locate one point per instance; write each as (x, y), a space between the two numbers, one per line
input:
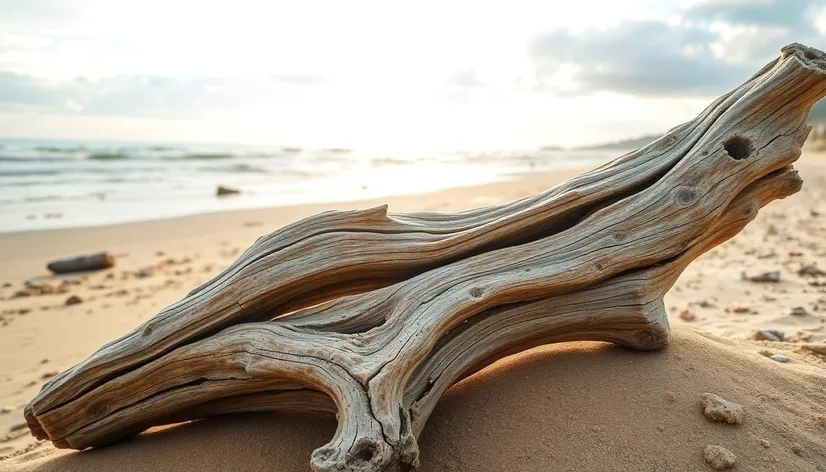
(381, 313)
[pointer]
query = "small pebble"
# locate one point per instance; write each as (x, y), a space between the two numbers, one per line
(797, 311)
(716, 408)
(74, 300)
(765, 443)
(779, 358)
(797, 449)
(768, 335)
(765, 352)
(772, 276)
(719, 458)
(18, 427)
(686, 315)
(6, 409)
(49, 374)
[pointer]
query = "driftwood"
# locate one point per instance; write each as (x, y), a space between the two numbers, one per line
(97, 261)
(373, 315)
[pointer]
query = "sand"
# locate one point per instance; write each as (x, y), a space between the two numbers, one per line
(588, 406)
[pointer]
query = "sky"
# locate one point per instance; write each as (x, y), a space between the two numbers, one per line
(381, 74)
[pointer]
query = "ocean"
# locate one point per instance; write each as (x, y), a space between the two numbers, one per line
(57, 184)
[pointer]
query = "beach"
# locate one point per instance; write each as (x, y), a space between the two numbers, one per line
(641, 410)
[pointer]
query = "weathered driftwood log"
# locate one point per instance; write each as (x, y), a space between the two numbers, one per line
(374, 315)
(97, 261)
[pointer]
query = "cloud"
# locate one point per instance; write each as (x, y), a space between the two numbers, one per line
(788, 14)
(144, 95)
(638, 57)
(709, 48)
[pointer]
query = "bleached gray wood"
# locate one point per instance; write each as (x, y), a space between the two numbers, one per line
(381, 313)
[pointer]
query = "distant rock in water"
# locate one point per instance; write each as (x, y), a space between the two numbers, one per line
(224, 191)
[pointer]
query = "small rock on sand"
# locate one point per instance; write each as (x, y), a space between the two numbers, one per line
(797, 311)
(768, 335)
(810, 270)
(779, 358)
(765, 353)
(49, 374)
(74, 300)
(765, 443)
(716, 408)
(719, 458)
(686, 315)
(6, 409)
(772, 276)
(17, 427)
(702, 303)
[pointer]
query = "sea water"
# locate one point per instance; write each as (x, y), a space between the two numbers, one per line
(58, 184)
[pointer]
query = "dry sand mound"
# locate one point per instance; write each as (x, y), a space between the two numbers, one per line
(575, 406)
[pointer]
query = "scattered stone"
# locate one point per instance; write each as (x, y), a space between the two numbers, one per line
(143, 273)
(671, 396)
(795, 253)
(716, 408)
(18, 427)
(7, 284)
(6, 409)
(797, 311)
(797, 449)
(97, 261)
(21, 294)
(74, 300)
(765, 443)
(738, 309)
(686, 315)
(24, 311)
(44, 360)
(767, 255)
(810, 270)
(765, 353)
(768, 298)
(768, 335)
(772, 276)
(813, 212)
(779, 358)
(160, 253)
(771, 230)
(702, 303)
(817, 283)
(719, 458)
(223, 191)
(49, 374)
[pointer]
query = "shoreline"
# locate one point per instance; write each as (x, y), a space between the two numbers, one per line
(15, 244)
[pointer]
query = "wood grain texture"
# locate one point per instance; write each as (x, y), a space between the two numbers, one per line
(374, 315)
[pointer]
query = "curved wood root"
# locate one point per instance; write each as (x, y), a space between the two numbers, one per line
(374, 316)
